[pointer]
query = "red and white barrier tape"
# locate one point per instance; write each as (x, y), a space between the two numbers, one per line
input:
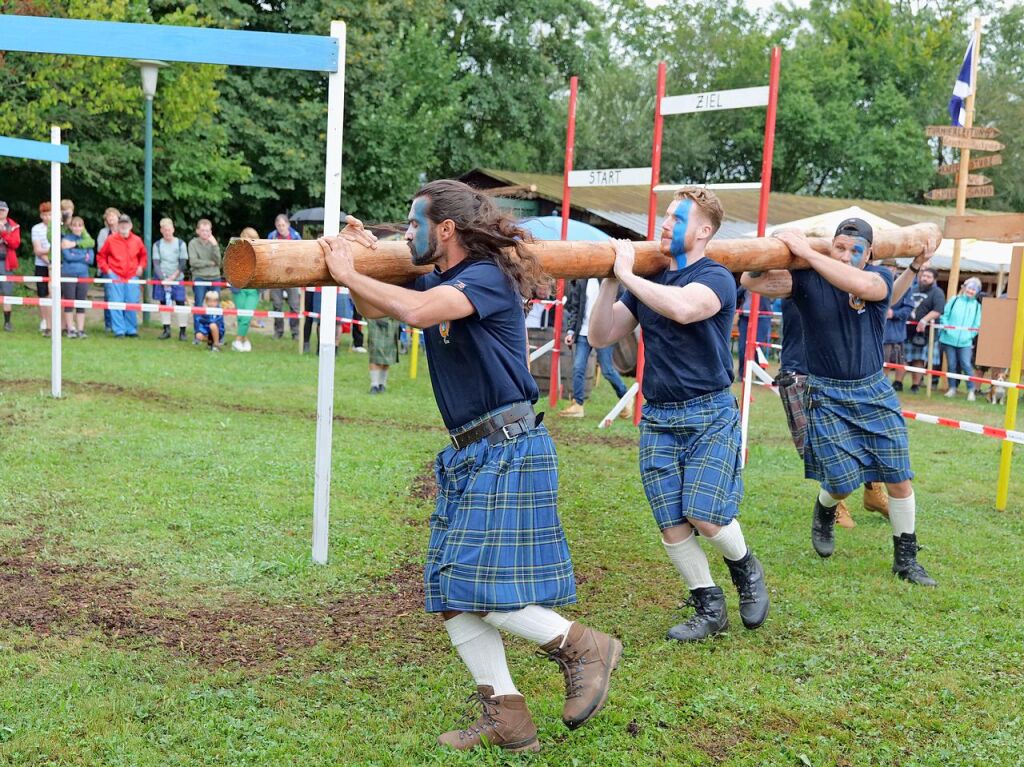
(974, 428)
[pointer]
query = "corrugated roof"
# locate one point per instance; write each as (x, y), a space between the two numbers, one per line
(622, 201)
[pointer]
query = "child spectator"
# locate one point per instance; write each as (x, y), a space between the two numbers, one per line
(210, 327)
(76, 258)
(10, 241)
(204, 259)
(246, 298)
(169, 260)
(382, 338)
(41, 249)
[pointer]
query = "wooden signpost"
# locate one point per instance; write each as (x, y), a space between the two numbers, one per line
(973, 180)
(976, 163)
(958, 132)
(951, 192)
(982, 145)
(1005, 227)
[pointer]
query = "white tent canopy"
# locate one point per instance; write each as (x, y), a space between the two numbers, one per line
(824, 224)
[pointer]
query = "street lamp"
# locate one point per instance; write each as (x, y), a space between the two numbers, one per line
(150, 71)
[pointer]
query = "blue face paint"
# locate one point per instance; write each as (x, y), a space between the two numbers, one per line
(678, 246)
(422, 252)
(858, 251)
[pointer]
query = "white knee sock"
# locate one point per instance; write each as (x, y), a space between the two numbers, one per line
(827, 500)
(901, 514)
(533, 622)
(481, 649)
(384, 377)
(729, 542)
(374, 377)
(690, 561)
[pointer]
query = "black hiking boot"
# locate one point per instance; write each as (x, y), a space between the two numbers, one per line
(904, 560)
(181, 334)
(709, 619)
(823, 524)
(166, 334)
(748, 578)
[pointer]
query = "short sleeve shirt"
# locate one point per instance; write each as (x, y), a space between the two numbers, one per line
(792, 357)
(847, 341)
(478, 363)
(40, 233)
(686, 361)
(927, 301)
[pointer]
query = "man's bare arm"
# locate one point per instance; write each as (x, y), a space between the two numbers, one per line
(775, 283)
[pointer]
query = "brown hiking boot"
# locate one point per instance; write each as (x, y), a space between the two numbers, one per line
(505, 723)
(876, 499)
(587, 660)
(843, 518)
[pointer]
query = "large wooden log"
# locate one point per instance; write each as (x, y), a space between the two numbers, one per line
(297, 263)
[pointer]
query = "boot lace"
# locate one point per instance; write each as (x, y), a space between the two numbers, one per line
(572, 670)
(700, 612)
(743, 585)
(483, 721)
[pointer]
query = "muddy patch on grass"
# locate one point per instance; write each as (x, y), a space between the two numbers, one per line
(51, 598)
(424, 485)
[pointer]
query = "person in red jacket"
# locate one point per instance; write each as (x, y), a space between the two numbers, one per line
(123, 256)
(10, 241)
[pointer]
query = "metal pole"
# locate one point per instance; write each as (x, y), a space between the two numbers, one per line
(55, 256)
(652, 220)
(753, 320)
(965, 162)
(147, 206)
(1010, 420)
(325, 379)
(555, 384)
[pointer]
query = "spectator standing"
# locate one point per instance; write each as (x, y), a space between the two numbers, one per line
(41, 249)
(582, 295)
(204, 259)
(246, 298)
(10, 241)
(123, 256)
(76, 258)
(929, 303)
(894, 335)
(382, 340)
(170, 257)
(110, 216)
(963, 312)
(283, 230)
(764, 326)
(67, 212)
(210, 327)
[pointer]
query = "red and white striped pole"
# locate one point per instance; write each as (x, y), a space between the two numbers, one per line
(570, 144)
(762, 211)
(652, 220)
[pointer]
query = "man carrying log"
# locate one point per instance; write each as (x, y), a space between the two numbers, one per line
(855, 429)
(690, 433)
(497, 557)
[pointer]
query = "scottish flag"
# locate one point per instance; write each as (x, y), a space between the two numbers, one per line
(963, 88)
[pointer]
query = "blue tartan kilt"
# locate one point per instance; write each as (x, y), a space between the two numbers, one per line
(496, 541)
(690, 459)
(855, 433)
(176, 293)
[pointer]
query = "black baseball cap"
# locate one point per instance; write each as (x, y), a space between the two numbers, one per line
(855, 227)
(124, 218)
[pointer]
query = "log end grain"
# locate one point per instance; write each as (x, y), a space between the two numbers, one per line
(240, 263)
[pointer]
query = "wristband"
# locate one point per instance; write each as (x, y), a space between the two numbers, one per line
(915, 271)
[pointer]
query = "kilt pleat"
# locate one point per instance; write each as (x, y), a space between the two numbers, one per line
(690, 459)
(496, 541)
(855, 433)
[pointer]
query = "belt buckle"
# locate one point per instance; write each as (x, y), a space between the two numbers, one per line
(505, 428)
(454, 440)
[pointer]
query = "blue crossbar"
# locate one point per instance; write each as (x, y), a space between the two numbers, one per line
(34, 34)
(33, 150)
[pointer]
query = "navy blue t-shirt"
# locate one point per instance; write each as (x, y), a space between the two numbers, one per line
(478, 363)
(847, 342)
(686, 361)
(792, 357)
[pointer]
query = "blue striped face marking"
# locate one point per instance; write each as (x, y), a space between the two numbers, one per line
(678, 246)
(858, 251)
(422, 252)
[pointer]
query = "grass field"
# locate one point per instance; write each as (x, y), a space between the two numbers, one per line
(158, 605)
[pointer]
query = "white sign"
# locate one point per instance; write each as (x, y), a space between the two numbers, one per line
(715, 100)
(610, 177)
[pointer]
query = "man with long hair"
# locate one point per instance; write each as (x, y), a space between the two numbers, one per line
(497, 557)
(855, 428)
(690, 432)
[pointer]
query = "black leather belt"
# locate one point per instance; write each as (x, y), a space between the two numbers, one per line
(507, 424)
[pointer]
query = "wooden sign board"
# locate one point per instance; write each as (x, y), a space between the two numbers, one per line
(976, 163)
(973, 180)
(950, 194)
(953, 130)
(711, 101)
(610, 177)
(995, 340)
(982, 145)
(1006, 227)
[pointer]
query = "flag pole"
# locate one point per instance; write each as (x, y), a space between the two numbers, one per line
(965, 161)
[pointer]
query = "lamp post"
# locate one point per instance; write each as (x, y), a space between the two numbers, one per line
(150, 71)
